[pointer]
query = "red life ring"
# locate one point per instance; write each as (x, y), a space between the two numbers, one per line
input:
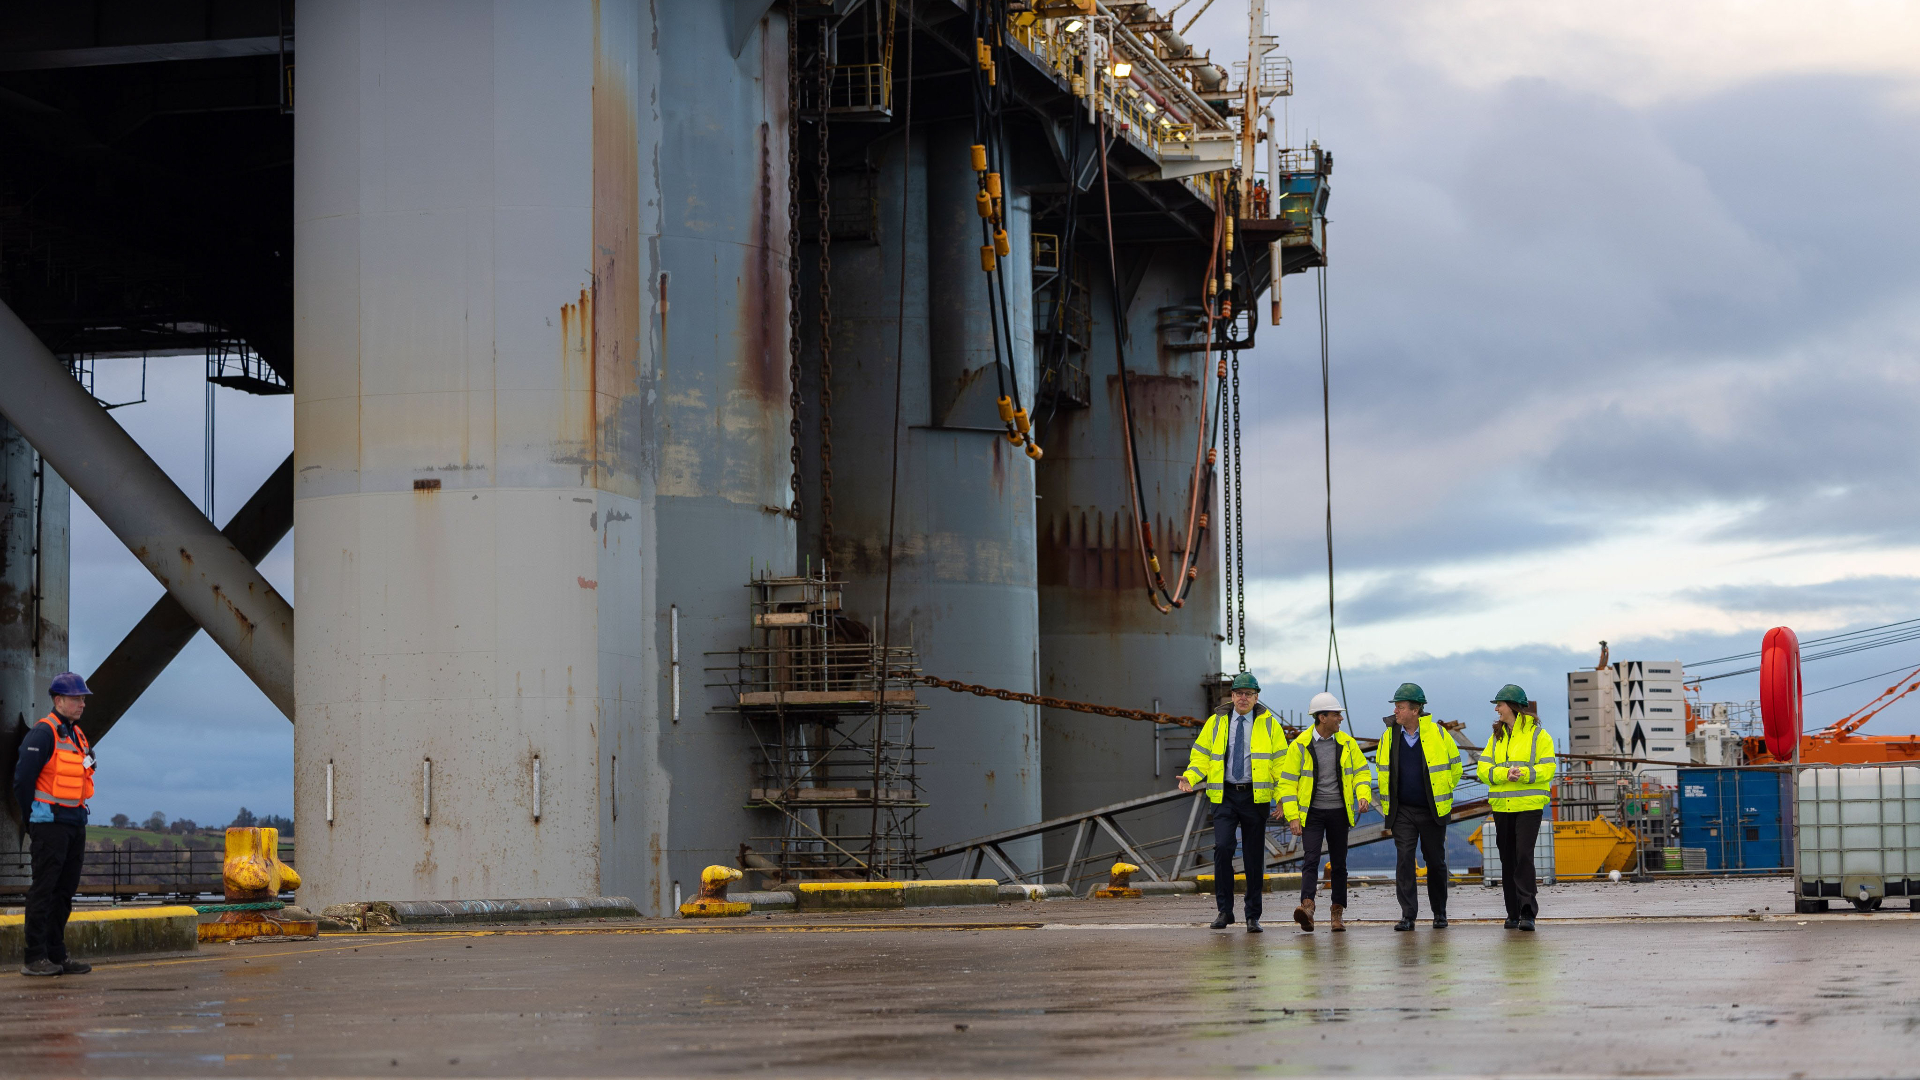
(1780, 691)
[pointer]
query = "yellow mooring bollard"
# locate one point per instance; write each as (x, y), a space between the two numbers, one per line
(253, 877)
(1119, 884)
(712, 903)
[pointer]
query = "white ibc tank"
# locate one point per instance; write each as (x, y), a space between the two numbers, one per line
(1543, 870)
(1859, 832)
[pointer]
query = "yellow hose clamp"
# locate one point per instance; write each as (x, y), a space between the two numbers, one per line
(983, 202)
(979, 158)
(1015, 438)
(1033, 450)
(993, 77)
(982, 55)
(1229, 281)
(1020, 421)
(1154, 562)
(1001, 244)
(993, 184)
(986, 258)
(1006, 409)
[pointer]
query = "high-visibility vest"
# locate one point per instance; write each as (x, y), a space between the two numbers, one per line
(1207, 762)
(1297, 776)
(1443, 764)
(1529, 748)
(66, 779)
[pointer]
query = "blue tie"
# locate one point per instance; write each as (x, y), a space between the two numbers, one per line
(1239, 752)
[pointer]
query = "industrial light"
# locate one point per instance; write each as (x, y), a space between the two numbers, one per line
(1148, 106)
(1122, 69)
(1074, 25)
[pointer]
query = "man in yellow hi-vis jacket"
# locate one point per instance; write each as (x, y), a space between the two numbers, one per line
(1419, 767)
(1517, 768)
(1235, 760)
(1324, 784)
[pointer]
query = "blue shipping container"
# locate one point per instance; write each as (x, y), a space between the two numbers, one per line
(1742, 817)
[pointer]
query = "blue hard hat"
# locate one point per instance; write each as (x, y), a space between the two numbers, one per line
(1245, 681)
(69, 684)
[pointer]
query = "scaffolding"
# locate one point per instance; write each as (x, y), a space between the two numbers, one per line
(832, 715)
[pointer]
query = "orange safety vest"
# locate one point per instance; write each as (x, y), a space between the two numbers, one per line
(66, 779)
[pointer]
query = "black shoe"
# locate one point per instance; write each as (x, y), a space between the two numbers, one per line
(1403, 924)
(1439, 922)
(1221, 921)
(1527, 925)
(1253, 927)
(75, 967)
(1512, 923)
(40, 967)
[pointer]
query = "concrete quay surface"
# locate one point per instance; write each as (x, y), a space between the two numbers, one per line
(1667, 979)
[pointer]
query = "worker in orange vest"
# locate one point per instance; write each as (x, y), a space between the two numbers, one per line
(52, 783)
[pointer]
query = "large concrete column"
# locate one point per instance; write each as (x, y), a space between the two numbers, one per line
(723, 402)
(34, 507)
(476, 325)
(964, 576)
(1100, 640)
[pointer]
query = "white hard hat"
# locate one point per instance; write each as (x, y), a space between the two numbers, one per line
(1324, 702)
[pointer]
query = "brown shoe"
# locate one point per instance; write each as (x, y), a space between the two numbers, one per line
(1339, 924)
(1304, 914)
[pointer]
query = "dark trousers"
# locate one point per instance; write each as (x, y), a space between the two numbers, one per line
(58, 850)
(1332, 826)
(1412, 826)
(1238, 813)
(1515, 834)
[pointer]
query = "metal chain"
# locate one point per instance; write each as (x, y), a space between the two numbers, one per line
(793, 249)
(826, 305)
(1062, 703)
(1239, 528)
(1225, 441)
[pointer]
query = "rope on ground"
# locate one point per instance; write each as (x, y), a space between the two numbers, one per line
(1063, 704)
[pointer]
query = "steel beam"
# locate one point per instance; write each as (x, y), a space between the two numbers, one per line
(166, 627)
(201, 568)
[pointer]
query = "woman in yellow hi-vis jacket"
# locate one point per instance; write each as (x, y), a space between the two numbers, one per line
(1236, 757)
(1517, 768)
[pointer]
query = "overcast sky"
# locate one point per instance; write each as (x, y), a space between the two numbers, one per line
(1624, 312)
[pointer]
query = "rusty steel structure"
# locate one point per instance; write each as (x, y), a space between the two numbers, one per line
(592, 310)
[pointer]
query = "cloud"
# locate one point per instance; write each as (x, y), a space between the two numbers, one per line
(1398, 595)
(1855, 598)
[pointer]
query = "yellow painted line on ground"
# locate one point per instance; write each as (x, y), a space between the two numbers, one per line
(240, 951)
(703, 928)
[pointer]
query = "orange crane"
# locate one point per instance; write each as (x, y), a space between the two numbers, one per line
(1839, 744)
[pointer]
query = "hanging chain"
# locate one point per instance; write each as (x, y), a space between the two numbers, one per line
(1226, 498)
(1239, 613)
(826, 304)
(793, 250)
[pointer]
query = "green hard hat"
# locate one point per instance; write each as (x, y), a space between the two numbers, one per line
(1245, 681)
(1512, 695)
(1410, 692)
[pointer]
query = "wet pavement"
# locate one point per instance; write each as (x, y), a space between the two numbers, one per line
(1059, 988)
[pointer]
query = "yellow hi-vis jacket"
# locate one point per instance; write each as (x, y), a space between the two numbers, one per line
(1528, 747)
(1296, 776)
(1443, 764)
(1207, 763)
